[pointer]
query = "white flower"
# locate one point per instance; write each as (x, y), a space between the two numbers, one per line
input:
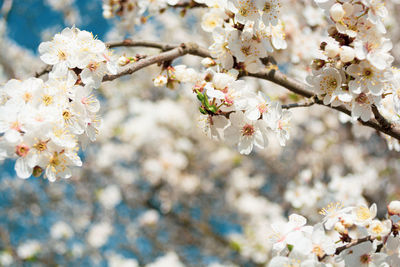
(160, 80)
(245, 133)
(169, 259)
(394, 207)
(213, 126)
(377, 228)
(110, 196)
(61, 230)
(333, 212)
(244, 10)
(116, 260)
(362, 255)
(212, 19)
(72, 48)
(347, 54)
(278, 120)
(257, 106)
(376, 13)
(367, 78)
(99, 233)
(376, 51)
(361, 106)
(290, 233)
(28, 249)
(321, 243)
(337, 12)
(362, 215)
(270, 8)
(93, 74)
(328, 83)
(58, 164)
(219, 49)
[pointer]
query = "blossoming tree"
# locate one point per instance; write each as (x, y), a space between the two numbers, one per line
(249, 74)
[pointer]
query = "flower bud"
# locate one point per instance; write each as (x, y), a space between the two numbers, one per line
(107, 13)
(394, 208)
(160, 80)
(336, 12)
(122, 61)
(347, 54)
(208, 62)
(37, 171)
(332, 50)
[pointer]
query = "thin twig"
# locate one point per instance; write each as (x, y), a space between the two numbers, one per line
(297, 105)
(353, 243)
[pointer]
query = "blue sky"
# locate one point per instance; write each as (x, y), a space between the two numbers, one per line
(28, 18)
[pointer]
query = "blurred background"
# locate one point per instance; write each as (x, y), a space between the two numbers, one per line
(154, 190)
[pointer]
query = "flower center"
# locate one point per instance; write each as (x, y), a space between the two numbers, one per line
(248, 130)
(22, 150)
(363, 213)
(362, 98)
(368, 73)
(61, 55)
(377, 229)
(47, 100)
(27, 97)
(66, 115)
(40, 146)
(318, 251)
(263, 107)
(365, 258)
(93, 66)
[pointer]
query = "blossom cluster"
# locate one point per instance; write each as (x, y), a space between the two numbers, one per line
(243, 31)
(231, 112)
(43, 123)
(349, 235)
(354, 66)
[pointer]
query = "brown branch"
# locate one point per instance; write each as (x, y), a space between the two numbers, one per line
(45, 70)
(353, 243)
(297, 105)
(299, 88)
(382, 121)
(190, 4)
(131, 43)
(172, 52)
(179, 51)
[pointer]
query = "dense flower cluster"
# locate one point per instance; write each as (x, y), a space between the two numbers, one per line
(231, 112)
(350, 235)
(244, 32)
(354, 68)
(44, 123)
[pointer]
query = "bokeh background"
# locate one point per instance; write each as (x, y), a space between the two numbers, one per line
(154, 190)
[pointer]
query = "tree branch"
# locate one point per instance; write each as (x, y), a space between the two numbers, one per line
(190, 4)
(353, 243)
(172, 52)
(299, 88)
(179, 51)
(298, 105)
